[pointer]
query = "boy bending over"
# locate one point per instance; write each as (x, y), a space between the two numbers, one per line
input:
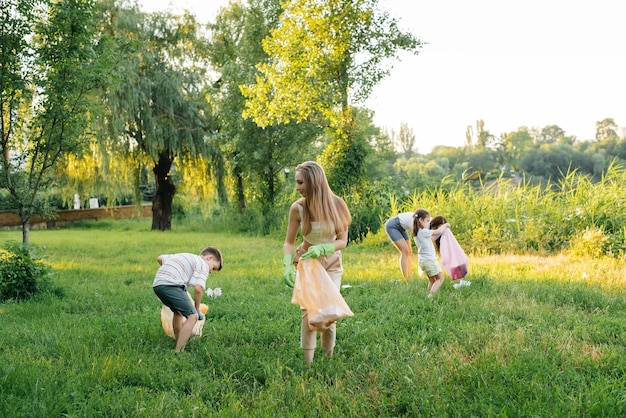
(177, 272)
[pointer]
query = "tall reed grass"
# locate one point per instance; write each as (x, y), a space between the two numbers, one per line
(574, 214)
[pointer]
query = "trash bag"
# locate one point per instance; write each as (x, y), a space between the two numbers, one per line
(167, 317)
(453, 258)
(314, 291)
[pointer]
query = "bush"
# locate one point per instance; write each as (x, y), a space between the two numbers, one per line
(367, 208)
(22, 274)
(591, 242)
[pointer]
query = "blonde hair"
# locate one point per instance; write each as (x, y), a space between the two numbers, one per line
(321, 204)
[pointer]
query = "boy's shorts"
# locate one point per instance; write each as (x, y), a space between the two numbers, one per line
(430, 267)
(395, 231)
(176, 298)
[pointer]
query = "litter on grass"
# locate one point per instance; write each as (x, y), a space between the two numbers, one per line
(214, 293)
(462, 283)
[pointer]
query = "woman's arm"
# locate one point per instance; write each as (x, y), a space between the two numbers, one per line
(292, 229)
(341, 241)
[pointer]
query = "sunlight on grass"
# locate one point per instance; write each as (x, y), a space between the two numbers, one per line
(606, 272)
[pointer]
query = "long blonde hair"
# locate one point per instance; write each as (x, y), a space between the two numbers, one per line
(321, 204)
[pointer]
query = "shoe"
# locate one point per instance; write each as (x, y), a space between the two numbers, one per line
(457, 285)
(429, 296)
(465, 283)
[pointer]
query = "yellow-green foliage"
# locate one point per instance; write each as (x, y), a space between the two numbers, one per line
(99, 174)
(502, 217)
(199, 190)
(590, 242)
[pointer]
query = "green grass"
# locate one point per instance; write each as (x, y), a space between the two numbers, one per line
(531, 337)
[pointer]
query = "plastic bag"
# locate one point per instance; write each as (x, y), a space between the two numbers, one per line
(167, 317)
(315, 291)
(453, 258)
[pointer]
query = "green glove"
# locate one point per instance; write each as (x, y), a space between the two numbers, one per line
(289, 274)
(320, 249)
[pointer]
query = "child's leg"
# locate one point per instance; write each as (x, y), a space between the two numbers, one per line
(405, 257)
(431, 281)
(438, 281)
(177, 323)
(185, 331)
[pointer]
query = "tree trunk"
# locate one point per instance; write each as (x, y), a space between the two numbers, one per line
(240, 194)
(241, 197)
(165, 189)
(25, 232)
(25, 225)
(271, 187)
(219, 173)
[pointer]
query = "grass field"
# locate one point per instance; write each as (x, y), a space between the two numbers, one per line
(531, 337)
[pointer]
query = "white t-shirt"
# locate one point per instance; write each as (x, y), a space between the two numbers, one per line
(406, 220)
(182, 269)
(425, 246)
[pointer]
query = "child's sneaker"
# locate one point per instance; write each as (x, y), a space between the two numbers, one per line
(457, 285)
(465, 283)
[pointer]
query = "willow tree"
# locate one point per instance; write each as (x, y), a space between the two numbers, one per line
(48, 66)
(325, 57)
(156, 106)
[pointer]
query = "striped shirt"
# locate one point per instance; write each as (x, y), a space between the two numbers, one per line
(182, 269)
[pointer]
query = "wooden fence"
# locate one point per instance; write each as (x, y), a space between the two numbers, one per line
(65, 217)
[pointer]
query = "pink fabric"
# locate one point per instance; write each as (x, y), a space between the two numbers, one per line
(453, 258)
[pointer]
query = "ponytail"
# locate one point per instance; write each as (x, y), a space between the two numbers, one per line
(419, 214)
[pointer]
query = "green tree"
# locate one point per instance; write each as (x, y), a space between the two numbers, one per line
(606, 128)
(406, 140)
(604, 151)
(322, 56)
(469, 137)
(344, 157)
(551, 134)
(516, 144)
(480, 163)
(413, 173)
(555, 161)
(48, 67)
(480, 139)
(258, 154)
(379, 162)
(157, 112)
(484, 138)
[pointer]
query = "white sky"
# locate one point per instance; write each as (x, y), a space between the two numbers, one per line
(510, 63)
